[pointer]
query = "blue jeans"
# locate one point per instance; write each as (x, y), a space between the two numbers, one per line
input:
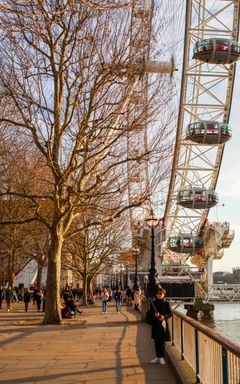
(118, 305)
(104, 305)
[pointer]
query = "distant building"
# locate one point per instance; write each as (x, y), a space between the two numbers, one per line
(222, 277)
(236, 275)
(28, 275)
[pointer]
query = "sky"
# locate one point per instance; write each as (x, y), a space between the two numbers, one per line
(228, 186)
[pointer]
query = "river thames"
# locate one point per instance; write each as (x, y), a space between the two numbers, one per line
(226, 319)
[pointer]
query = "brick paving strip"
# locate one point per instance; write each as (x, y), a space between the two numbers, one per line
(92, 349)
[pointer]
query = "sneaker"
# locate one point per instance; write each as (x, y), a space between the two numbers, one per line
(162, 361)
(155, 360)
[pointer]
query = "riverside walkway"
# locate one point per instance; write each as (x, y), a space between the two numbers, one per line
(93, 349)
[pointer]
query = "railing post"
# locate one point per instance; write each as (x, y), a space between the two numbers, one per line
(225, 365)
(197, 356)
(182, 344)
(172, 330)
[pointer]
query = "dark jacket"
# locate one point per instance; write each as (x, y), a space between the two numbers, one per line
(26, 297)
(8, 294)
(38, 297)
(163, 307)
(117, 296)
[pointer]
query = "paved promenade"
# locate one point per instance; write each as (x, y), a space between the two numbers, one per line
(94, 349)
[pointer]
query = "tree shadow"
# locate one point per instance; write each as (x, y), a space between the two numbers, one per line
(120, 362)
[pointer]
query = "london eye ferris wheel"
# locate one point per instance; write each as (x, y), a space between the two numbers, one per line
(203, 46)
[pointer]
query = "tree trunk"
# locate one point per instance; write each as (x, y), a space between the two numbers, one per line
(53, 307)
(11, 268)
(89, 286)
(39, 275)
(84, 295)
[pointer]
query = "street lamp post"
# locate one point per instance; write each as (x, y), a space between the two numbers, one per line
(121, 277)
(153, 283)
(136, 278)
(126, 280)
(116, 281)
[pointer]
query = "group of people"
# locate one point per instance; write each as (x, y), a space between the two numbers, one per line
(127, 296)
(158, 314)
(69, 292)
(69, 309)
(106, 297)
(8, 294)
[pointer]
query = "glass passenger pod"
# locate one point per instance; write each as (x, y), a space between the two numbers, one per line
(197, 198)
(208, 132)
(217, 51)
(185, 243)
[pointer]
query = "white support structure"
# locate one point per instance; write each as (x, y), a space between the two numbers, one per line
(206, 94)
(210, 270)
(141, 66)
(140, 39)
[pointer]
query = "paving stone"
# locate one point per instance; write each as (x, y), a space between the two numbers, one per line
(112, 349)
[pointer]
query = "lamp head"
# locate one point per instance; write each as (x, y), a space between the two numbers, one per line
(151, 220)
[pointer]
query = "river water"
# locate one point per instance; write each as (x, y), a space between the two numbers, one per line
(226, 319)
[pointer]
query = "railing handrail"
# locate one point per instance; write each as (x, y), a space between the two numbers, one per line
(223, 285)
(227, 343)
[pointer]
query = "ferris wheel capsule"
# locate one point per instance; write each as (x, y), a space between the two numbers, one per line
(208, 132)
(197, 198)
(185, 243)
(217, 51)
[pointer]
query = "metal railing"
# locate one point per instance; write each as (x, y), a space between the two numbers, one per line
(214, 358)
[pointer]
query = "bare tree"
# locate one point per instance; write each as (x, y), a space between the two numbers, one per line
(13, 244)
(105, 4)
(87, 254)
(39, 249)
(21, 170)
(64, 72)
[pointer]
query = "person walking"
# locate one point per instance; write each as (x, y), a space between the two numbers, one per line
(20, 294)
(67, 294)
(129, 296)
(110, 294)
(9, 297)
(26, 298)
(15, 296)
(160, 311)
(137, 298)
(36, 290)
(104, 297)
(118, 297)
(38, 299)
